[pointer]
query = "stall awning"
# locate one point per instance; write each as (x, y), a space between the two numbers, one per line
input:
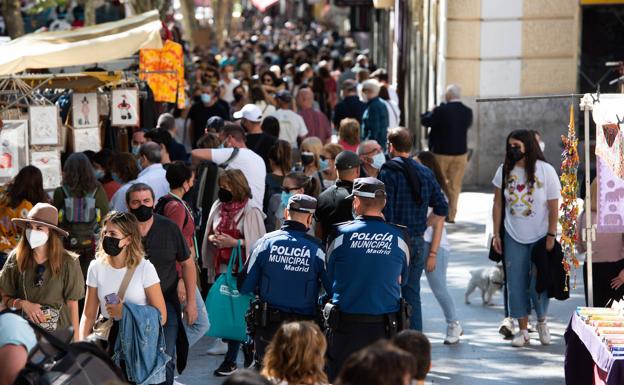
(98, 43)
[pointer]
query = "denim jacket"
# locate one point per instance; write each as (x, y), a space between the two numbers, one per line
(141, 344)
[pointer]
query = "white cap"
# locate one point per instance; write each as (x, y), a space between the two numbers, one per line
(250, 112)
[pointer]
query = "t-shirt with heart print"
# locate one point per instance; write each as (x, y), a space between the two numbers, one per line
(526, 207)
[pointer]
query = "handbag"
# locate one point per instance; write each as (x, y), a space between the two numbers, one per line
(226, 305)
(493, 255)
(50, 313)
(102, 326)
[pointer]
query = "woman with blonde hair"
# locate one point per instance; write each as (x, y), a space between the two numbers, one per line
(296, 355)
(349, 134)
(311, 149)
(40, 277)
(120, 248)
(233, 221)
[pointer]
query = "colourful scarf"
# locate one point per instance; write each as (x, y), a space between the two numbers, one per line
(228, 212)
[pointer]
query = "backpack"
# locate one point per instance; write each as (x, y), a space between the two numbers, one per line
(413, 180)
(79, 217)
(55, 362)
(163, 202)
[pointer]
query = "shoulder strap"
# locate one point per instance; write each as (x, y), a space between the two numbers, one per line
(125, 282)
(65, 191)
(234, 154)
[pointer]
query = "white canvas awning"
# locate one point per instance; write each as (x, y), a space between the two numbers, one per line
(93, 44)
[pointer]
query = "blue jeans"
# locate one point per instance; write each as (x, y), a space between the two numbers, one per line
(196, 331)
(171, 336)
(437, 283)
(521, 277)
(411, 290)
(232, 352)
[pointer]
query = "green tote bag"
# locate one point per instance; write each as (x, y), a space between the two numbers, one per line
(226, 306)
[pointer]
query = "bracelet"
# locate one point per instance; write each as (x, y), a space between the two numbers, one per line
(551, 235)
(433, 252)
(14, 302)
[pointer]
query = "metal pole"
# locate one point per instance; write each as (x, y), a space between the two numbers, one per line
(588, 232)
(511, 98)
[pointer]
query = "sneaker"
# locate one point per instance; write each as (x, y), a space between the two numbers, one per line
(521, 340)
(219, 348)
(507, 328)
(544, 333)
(453, 332)
(177, 383)
(225, 369)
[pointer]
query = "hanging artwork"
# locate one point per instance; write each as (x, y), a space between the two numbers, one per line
(49, 162)
(608, 115)
(13, 148)
(164, 71)
(610, 200)
(85, 110)
(87, 139)
(44, 125)
(125, 108)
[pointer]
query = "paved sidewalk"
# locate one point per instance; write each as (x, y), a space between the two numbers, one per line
(482, 357)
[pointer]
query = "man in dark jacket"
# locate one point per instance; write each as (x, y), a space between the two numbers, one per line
(351, 106)
(449, 123)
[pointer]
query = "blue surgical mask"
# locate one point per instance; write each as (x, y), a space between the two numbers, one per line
(117, 179)
(139, 164)
(285, 196)
(135, 150)
(324, 164)
(99, 173)
(379, 160)
(206, 98)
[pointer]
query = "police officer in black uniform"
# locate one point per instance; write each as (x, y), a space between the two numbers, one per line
(286, 270)
(367, 261)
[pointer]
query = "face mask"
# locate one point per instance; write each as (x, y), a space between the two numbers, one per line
(238, 97)
(542, 146)
(143, 213)
(135, 150)
(307, 159)
(36, 238)
(139, 164)
(99, 174)
(111, 246)
(324, 164)
(378, 160)
(224, 195)
(365, 98)
(206, 98)
(230, 75)
(117, 179)
(284, 197)
(516, 154)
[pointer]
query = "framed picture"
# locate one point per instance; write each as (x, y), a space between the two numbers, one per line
(125, 108)
(13, 148)
(49, 162)
(44, 127)
(85, 110)
(87, 139)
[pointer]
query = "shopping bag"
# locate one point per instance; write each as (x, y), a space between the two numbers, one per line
(226, 306)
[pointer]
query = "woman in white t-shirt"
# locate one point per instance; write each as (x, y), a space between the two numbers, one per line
(119, 248)
(532, 191)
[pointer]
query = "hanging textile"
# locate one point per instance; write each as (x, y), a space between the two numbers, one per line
(608, 114)
(166, 86)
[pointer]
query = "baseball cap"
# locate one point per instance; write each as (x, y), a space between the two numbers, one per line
(250, 112)
(302, 203)
(284, 96)
(367, 187)
(347, 160)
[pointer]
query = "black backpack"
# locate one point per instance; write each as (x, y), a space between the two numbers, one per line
(163, 202)
(55, 362)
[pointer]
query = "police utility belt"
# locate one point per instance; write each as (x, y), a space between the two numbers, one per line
(394, 322)
(261, 314)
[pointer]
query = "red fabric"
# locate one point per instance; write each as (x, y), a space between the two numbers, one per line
(227, 225)
(177, 212)
(317, 123)
(347, 147)
(111, 188)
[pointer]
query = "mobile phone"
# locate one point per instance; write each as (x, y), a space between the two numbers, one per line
(111, 299)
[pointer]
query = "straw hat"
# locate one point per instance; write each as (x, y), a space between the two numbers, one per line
(42, 214)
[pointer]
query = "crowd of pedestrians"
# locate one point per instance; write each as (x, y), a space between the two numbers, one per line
(290, 150)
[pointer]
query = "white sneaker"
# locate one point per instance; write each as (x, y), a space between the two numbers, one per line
(544, 333)
(521, 340)
(177, 383)
(507, 328)
(219, 348)
(453, 332)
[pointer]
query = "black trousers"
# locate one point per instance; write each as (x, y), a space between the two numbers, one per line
(264, 334)
(603, 273)
(348, 338)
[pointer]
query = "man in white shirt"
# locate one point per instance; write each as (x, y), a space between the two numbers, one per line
(153, 174)
(292, 125)
(251, 164)
(228, 83)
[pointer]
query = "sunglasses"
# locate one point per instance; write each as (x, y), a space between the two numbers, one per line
(289, 189)
(39, 275)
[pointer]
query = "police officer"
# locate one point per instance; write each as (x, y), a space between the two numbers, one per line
(367, 262)
(285, 269)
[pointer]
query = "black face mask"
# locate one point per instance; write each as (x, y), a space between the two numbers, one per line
(307, 159)
(238, 97)
(143, 213)
(111, 246)
(224, 195)
(515, 153)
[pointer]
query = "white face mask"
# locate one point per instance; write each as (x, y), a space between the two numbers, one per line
(542, 146)
(36, 238)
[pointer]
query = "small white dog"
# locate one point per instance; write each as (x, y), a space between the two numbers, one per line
(488, 279)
